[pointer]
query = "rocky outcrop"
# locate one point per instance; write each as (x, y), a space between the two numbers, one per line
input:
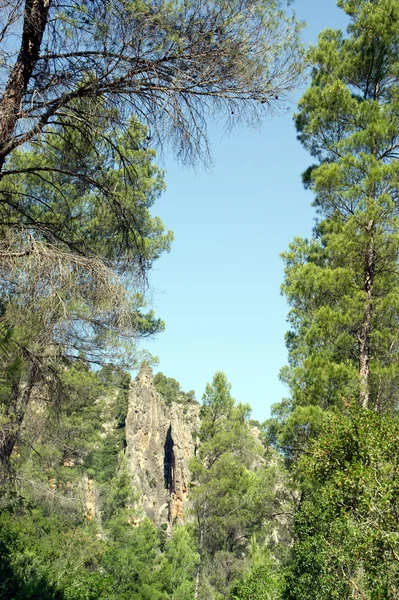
(160, 440)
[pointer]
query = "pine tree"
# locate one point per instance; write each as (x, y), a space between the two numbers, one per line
(343, 289)
(347, 540)
(343, 285)
(71, 271)
(172, 63)
(233, 491)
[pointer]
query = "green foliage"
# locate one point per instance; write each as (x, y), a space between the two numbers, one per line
(114, 375)
(291, 430)
(346, 529)
(116, 494)
(171, 391)
(103, 460)
(131, 562)
(342, 285)
(234, 491)
(86, 248)
(178, 565)
(72, 531)
(73, 262)
(41, 558)
(50, 545)
(263, 581)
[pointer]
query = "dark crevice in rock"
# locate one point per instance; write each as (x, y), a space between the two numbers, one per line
(169, 462)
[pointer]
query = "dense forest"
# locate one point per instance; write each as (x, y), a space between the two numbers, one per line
(304, 506)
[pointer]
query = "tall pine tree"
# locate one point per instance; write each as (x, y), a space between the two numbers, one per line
(343, 284)
(343, 289)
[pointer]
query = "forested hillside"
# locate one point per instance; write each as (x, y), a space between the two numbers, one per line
(73, 525)
(118, 485)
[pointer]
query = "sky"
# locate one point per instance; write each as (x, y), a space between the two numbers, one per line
(218, 290)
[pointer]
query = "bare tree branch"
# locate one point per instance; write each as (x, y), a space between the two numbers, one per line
(162, 61)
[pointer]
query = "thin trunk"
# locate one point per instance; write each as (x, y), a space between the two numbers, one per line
(19, 400)
(365, 331)
(35, 21)
(200, 551)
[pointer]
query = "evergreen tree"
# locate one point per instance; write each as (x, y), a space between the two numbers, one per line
(171, 391)
(178, 565)
(343, 285)
(349, 122)
(347, 540)
(232, 492)
(261, 582)
(343, 289)
(72, 283)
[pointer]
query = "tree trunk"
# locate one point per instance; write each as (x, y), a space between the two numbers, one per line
(19, 400)
(200, 551)
(365, 331)
(35, 21)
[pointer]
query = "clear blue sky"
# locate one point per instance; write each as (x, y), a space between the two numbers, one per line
(219, 288)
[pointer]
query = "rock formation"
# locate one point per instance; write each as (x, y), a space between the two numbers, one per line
(160, 440)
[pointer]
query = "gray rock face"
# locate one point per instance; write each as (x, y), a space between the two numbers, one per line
(160, 440)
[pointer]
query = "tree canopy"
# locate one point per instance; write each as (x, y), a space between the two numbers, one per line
(342, 285)
(169, 63)
(338, 428)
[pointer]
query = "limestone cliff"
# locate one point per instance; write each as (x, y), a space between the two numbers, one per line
(160, 440)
